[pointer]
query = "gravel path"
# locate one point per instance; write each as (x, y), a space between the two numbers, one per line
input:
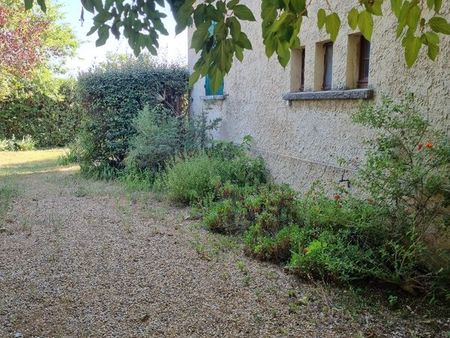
(89, 259)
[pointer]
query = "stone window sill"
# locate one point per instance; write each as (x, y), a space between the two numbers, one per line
(346, 94)
(214, 97)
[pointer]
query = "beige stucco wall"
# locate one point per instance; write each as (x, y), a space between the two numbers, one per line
(304, 141)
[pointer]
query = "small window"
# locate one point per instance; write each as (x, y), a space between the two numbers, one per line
(328, 66)
(364, 60)
(298, 70)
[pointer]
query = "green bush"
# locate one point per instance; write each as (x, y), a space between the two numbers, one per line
(273, 213)
(157, 139)
(50, 116)
(113, 94)
(407, 172)
(382, 238)
(226, 217)
(339, 238)
(192, 179)
(272, 247)
(25, 144)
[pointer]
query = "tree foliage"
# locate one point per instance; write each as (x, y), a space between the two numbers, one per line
(419, 25)
(31, 38)
(33, 46)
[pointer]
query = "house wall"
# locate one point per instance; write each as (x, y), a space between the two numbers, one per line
(303, 141)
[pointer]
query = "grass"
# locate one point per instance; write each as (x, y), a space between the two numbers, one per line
(7, 194)
(16, 163)
(31, 162)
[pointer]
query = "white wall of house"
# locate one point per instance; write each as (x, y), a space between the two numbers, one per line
(302, 141)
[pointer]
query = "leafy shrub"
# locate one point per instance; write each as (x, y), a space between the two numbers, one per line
(382, 237)
(226, 217)
(25, 144)
(189, 180)
(195, 178)
(339, 238)
(7, 144)
(48, 112)
(386, 237)
(275, 248)
(407, 172)
(273, 212)
(113, 94)
(156, 140)
(69, 157)
(159, 137)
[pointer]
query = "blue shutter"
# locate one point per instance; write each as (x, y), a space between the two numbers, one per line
(208, 88)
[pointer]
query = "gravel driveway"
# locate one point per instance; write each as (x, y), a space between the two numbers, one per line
(88, 259)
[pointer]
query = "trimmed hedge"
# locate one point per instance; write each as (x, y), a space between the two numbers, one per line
(50, 117)
(112, 95)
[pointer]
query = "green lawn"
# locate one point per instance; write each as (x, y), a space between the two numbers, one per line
(29, 162)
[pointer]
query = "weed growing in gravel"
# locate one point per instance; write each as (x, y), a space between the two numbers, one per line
(81, 191)
(7, 194)
(242, 267)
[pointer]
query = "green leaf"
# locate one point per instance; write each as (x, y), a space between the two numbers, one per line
(299, 6)
(365, 24)
(88, 5)
(243, 13)
(430, 4)
(199, 37)
(403, 15)
(321, 17)
(412, 48)
(42, 4)
(284, 54)
(333, 25)
(232, 4)
(193, 78)
(184, 16)
(28, 4)
(243, 41)
(93, 29)
(432, 38)
(239, 53)
(396, 6)
(412, 20)
(433, 51)
(216, 79)
(375, 7)
(108, 4)
(353, 18)
(235, 27)
(102, 17)
(437, 5)
(103, 35)
(439, 25)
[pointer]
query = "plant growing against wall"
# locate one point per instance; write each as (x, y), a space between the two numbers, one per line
(407, 172)
(419, 24)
